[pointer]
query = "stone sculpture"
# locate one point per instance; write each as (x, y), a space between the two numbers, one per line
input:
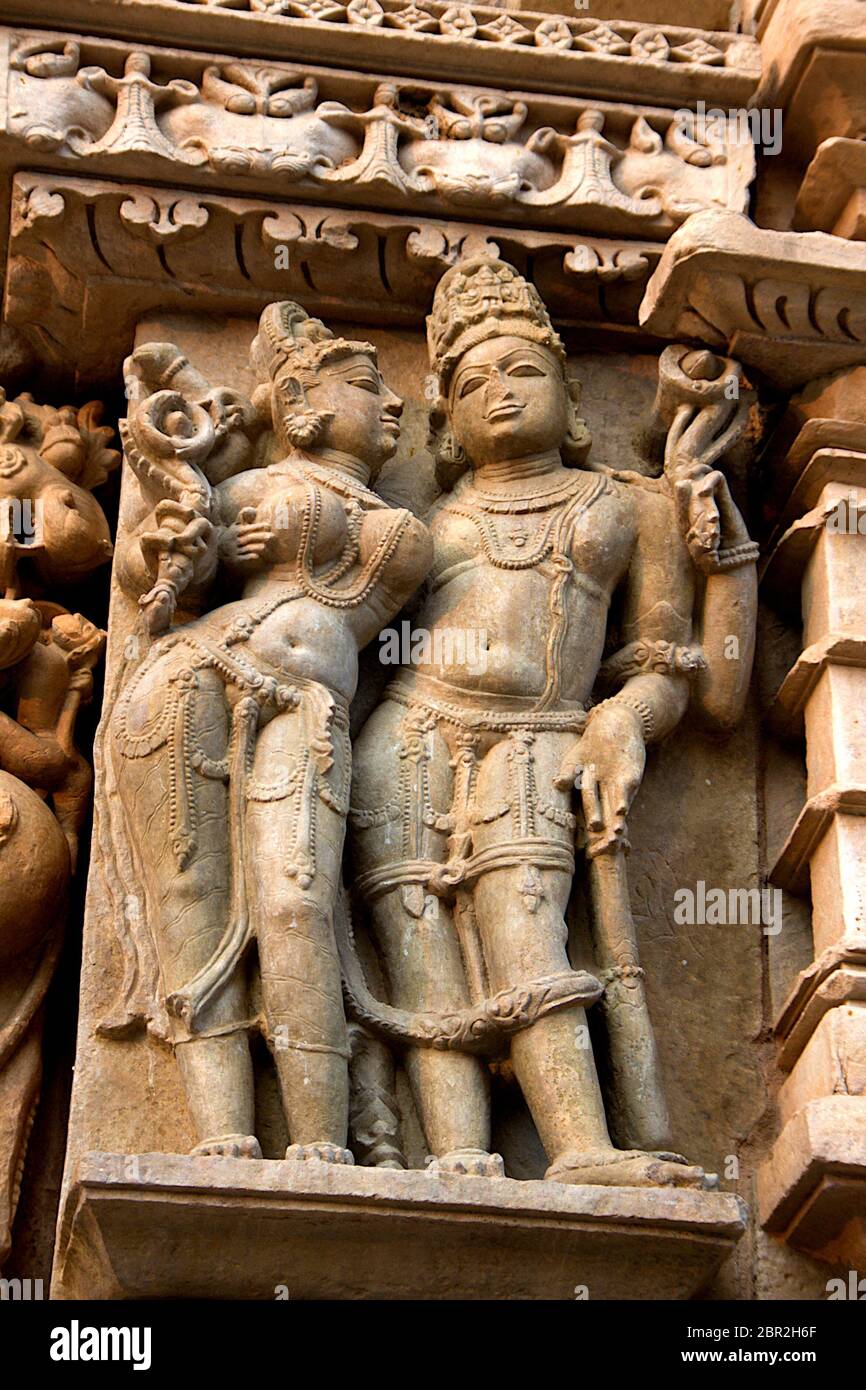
(52, 530)
(610, 170)
(586, 583)
(227, 756)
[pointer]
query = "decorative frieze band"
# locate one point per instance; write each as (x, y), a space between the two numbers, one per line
(617, 59)
(350, 138)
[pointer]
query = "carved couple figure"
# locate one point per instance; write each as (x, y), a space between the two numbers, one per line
(228, 744)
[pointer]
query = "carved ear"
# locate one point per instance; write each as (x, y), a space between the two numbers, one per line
(293, 389)
(578, 440)
(449, 456)
(262, 401)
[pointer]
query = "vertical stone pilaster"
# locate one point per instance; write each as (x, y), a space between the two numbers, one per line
(812, 1189)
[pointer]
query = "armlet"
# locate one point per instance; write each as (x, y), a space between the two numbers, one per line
(638, 658)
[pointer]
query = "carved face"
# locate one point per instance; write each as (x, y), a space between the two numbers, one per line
(508, 400)
(350, 408)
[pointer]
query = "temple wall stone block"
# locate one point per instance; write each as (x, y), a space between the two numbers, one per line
(465, 841)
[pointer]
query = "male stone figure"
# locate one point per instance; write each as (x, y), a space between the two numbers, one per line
(464, 822)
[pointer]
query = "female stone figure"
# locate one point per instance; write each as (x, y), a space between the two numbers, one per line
(463, 813)
(228, 755)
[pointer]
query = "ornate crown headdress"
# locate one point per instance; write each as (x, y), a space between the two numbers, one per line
(479, 299)
(288, 337)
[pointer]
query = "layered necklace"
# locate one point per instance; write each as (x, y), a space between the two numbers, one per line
(521, 547)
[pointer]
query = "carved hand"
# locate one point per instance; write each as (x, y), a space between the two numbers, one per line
(182, 536)
(708, 518)
(609, 765)
(246, 544)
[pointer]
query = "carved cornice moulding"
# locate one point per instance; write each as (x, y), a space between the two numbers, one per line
(699, 14)
(815, 69)
(480, 1236)
(791, 305)
(86, 254)
(352, 138)
(621, 60)
(832, 196)
(87, 259)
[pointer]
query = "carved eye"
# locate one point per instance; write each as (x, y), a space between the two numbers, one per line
(525, 369)
(471, 384)
(365, 383)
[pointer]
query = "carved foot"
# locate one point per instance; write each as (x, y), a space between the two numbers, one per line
(629, 1168)
(325, 1153)
(229, 1146)
(470, 1163)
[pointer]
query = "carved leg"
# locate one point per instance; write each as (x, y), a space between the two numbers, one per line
(424, 969)
(294, 844)
(520, 911)
(165, 798)
(402, 780)
(218, 1078)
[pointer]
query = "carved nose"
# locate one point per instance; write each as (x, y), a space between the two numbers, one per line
(498, 390)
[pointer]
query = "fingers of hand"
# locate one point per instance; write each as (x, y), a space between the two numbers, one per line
(615, 806)
(254, 534)
(173, 515)
(590, 795)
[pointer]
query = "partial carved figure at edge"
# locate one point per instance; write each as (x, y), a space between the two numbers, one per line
(52, 532)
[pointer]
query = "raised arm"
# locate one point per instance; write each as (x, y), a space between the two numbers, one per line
(706, 409)
(182, 438)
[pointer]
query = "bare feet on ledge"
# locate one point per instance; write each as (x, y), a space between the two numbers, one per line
(471, 1163)
(323, 1153)
(629, 1168)
(229, 1146)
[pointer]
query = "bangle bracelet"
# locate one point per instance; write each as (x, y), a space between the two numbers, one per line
(640, 707)
(746, 553)
(647, 718)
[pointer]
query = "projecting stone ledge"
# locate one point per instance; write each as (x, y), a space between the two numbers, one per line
(791, 305)
(171, 1226)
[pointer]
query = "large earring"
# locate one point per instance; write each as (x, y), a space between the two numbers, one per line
(301, 424)
(304, 426)
(578, 439)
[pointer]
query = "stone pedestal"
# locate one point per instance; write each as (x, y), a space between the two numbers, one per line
(170, 1226)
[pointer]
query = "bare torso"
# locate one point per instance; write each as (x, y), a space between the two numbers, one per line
(314, 638)
(483, 578)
